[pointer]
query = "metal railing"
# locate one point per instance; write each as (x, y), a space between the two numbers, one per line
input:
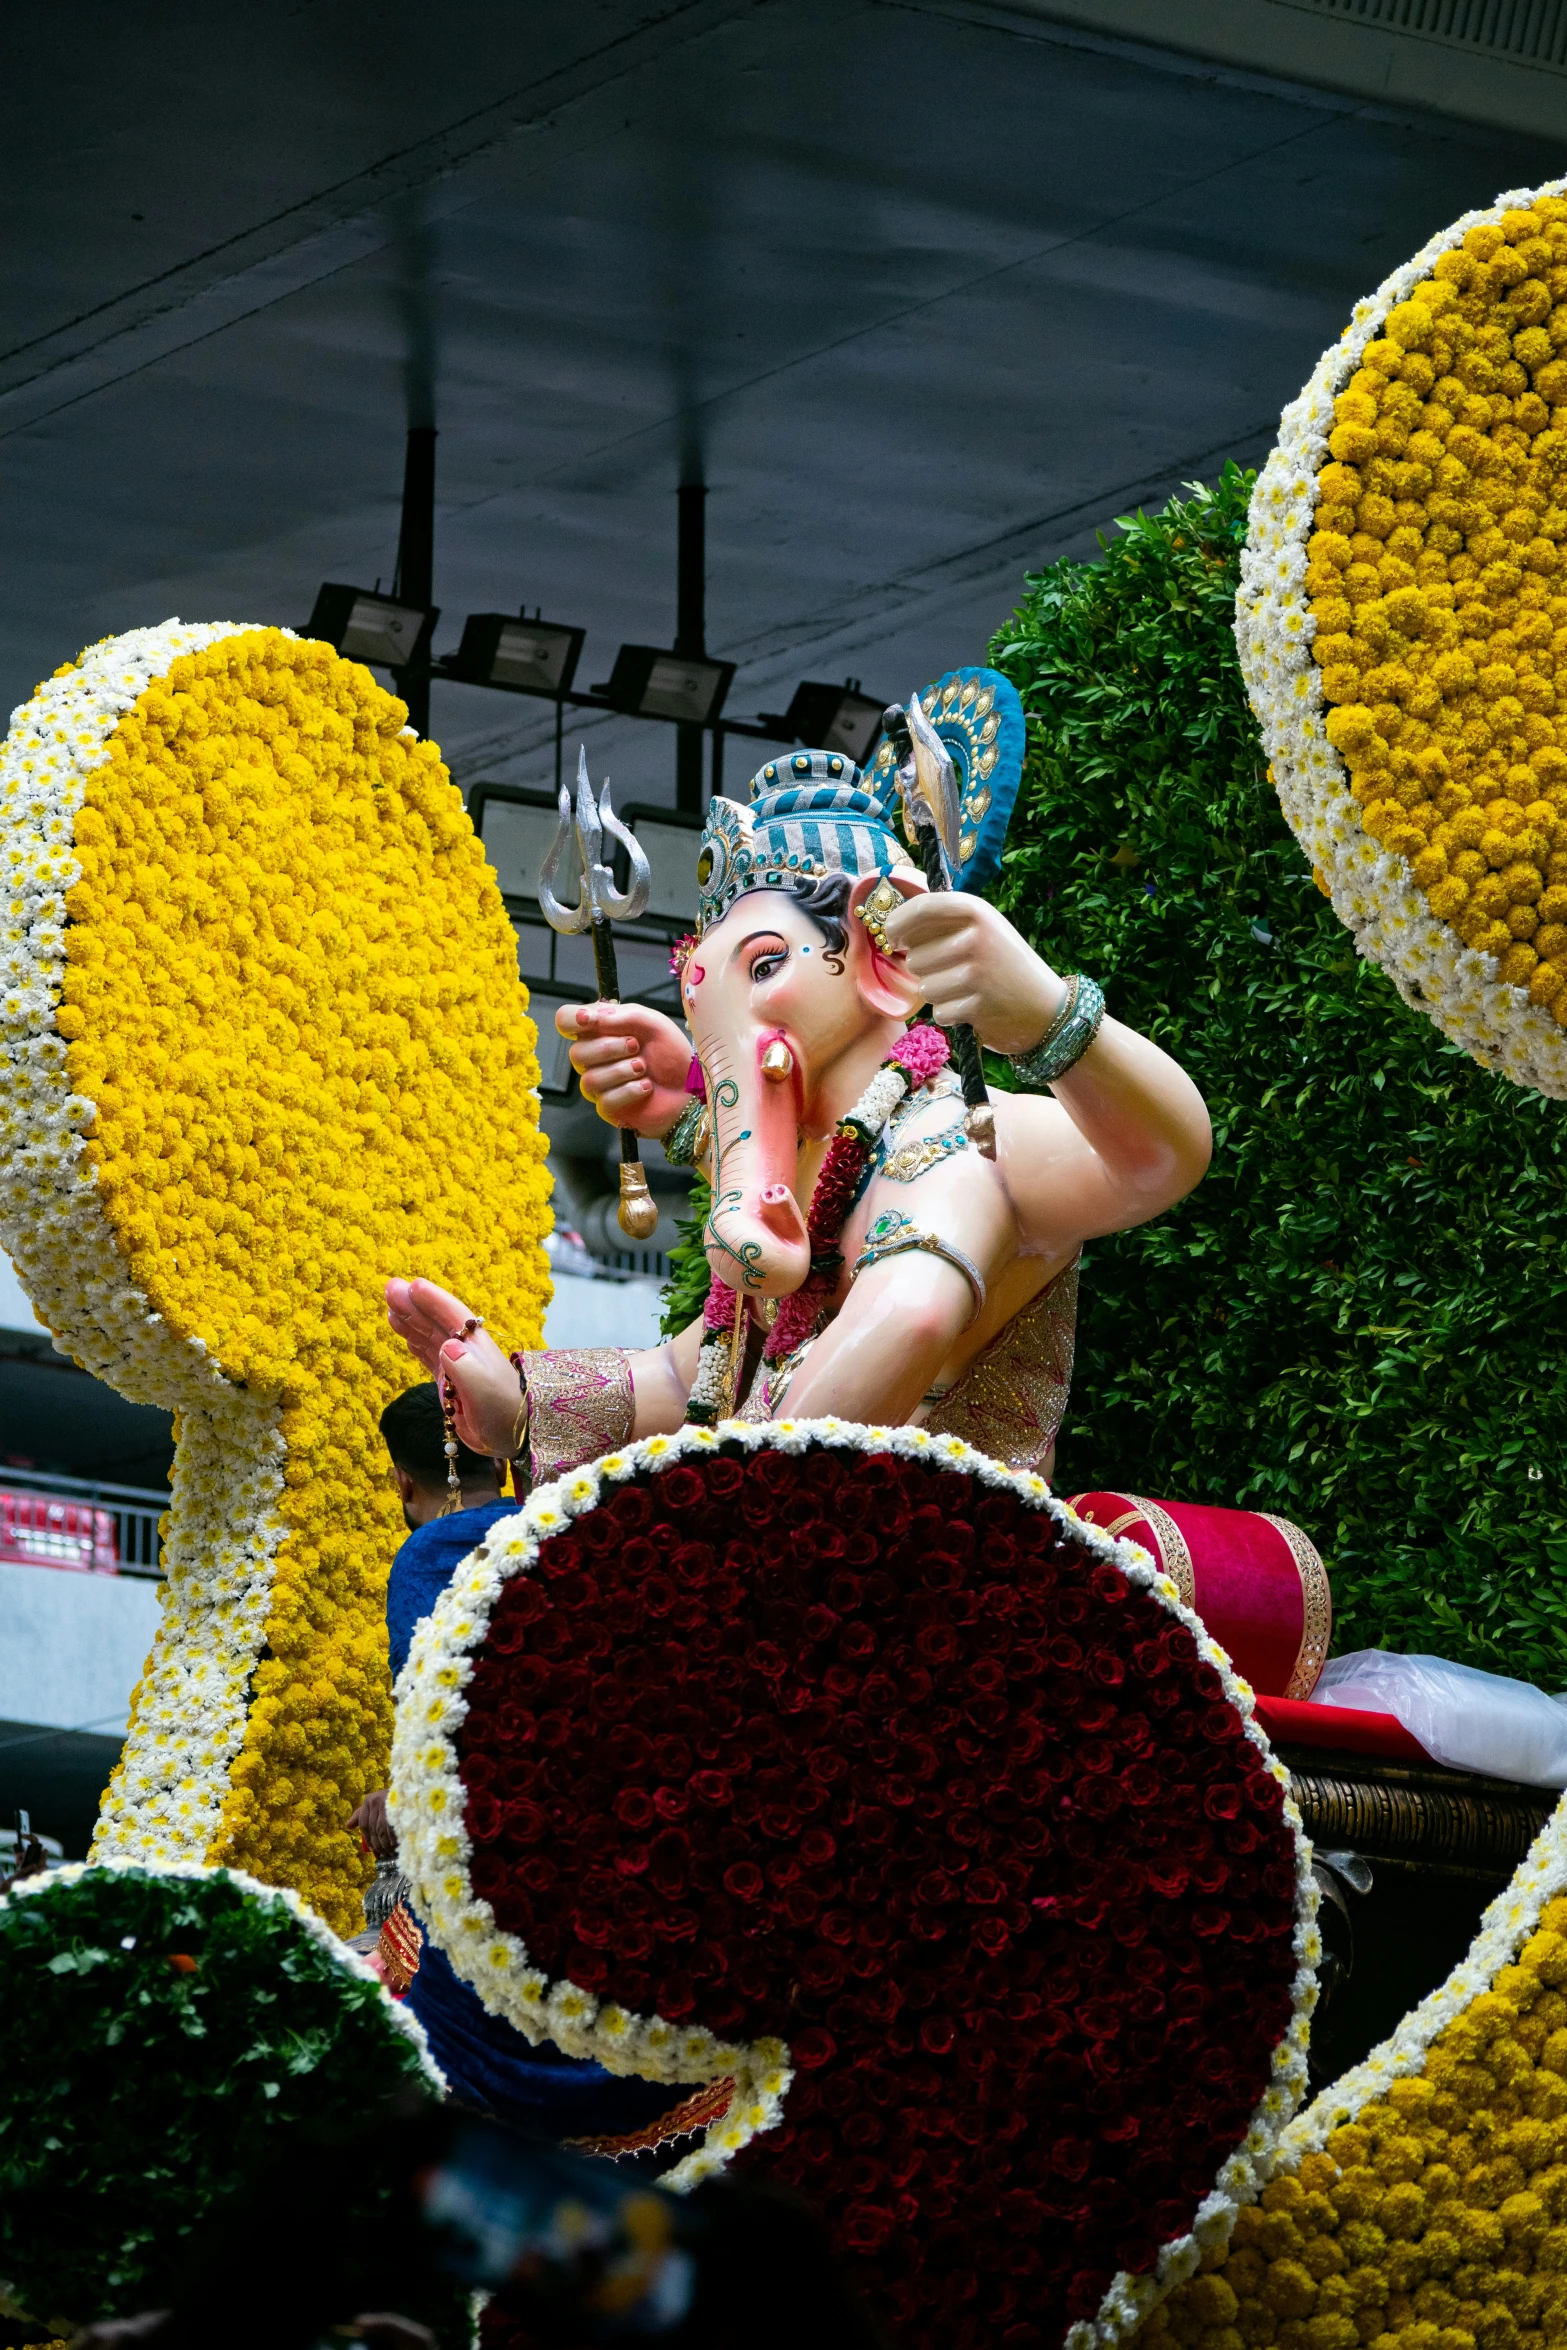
(133, 1510)
(1534, 32)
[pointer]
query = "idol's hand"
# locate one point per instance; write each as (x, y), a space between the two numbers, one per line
(486, 1393)
(632, 1061)
(970, 964)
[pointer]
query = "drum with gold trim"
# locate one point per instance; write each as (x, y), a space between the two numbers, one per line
(1256, 1581)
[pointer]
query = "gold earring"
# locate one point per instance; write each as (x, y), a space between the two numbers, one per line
(874, 912)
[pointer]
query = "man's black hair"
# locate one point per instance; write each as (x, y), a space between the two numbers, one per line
(825, 897)
(416, 1439)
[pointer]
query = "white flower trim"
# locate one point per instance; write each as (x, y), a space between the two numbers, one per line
(222, 1533)
(880, 1098)
(427, 1804)
(276, 1897)
(1374, 892)
(1507, 1924)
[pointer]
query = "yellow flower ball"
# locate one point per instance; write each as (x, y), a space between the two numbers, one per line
(1437, 582)
(1435, 2219)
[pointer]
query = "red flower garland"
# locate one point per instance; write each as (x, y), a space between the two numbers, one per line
(853, 1751)
(920, 1052)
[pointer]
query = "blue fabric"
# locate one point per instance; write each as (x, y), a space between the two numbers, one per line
(426, 1564)
(486, 2061)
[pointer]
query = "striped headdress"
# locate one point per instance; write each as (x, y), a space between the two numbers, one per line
(810, 814)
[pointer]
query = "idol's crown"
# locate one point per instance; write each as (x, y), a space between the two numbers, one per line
(809, 815)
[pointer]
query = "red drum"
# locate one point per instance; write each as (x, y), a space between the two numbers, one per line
(1255, 1580)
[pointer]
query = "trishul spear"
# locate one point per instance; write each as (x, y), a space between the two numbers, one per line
(576, 853)
(932, 802)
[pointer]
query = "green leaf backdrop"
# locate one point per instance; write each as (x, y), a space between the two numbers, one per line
(1358, 1319)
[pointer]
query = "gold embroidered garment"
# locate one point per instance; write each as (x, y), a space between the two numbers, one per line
(1011, 1400)
(580, 1404)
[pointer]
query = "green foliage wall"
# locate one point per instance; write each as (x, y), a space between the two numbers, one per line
(1358, 1319)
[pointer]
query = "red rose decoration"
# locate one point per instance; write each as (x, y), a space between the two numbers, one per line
(901, 1768)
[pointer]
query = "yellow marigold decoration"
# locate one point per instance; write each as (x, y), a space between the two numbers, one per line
(1421, 2202)
(264, 1045)
(1403, 628)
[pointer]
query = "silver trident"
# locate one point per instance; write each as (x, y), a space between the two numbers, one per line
(576, 855)
(928, 783)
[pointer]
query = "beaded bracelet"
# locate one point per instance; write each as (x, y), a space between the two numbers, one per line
(1067, 1038)
(684, 1143)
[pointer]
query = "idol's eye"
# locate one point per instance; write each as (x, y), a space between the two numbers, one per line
(768, 961)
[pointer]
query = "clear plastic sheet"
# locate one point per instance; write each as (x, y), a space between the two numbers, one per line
(1470, 1720)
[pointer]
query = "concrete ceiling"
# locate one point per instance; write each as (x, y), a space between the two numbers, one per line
(926, 293)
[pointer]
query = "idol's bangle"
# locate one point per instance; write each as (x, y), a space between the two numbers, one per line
(894, 1235)
(687, 1138)
(1067, 1038)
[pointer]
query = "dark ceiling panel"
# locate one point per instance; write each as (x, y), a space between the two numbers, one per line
(929, 296)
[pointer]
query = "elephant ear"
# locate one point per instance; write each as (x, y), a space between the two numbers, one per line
(843, 1778)
(979, 716)
(258, 979)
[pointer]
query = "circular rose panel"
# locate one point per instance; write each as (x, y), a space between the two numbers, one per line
(896, 1763)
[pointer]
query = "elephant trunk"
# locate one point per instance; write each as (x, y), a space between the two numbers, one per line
(756, 1236)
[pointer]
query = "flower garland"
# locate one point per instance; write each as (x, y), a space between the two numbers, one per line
(195, 2013)
(918, 1055)
(1400, 623)
(1421, 2200)
(259, 986)
(918, 1809)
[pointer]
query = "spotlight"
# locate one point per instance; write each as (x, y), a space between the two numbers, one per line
(376, 629)
(655, 684)
(537, 656)
(667, 839)
(831, 718)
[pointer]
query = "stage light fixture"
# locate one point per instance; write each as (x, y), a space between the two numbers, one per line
(539, 656)
(831, 718)
(372, 628)
(652, 683)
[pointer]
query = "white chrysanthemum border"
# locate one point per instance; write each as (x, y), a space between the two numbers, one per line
(427, 1804)
(223, 1532)
(1507, 1924)
(400, 2019)
(1374, 892)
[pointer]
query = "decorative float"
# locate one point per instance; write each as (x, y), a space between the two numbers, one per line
(918, 1824)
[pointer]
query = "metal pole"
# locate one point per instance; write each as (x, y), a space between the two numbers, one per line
(690, 630)
(414, 582)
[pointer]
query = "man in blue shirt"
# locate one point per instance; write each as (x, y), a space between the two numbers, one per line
(415, 1434)
(486, 2062)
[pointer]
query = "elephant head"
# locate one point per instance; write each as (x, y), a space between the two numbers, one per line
(792, 1008)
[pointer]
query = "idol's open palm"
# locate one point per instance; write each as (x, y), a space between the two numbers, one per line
(486, 1394)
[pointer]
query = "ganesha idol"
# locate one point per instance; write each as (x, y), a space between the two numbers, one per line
(834, 1797)
(875, 1253)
